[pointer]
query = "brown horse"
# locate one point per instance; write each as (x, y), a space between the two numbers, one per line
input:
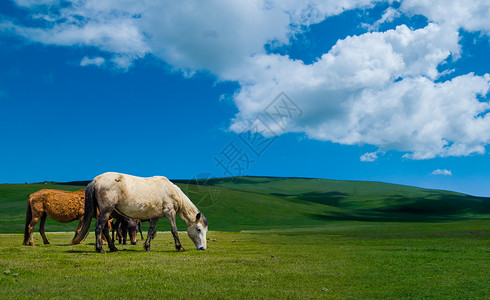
(61, 206)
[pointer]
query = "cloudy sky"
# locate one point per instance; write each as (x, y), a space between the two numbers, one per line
(353, 89)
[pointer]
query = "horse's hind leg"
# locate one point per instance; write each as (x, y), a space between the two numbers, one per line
(32, 224)
(79, 227)
(41, 228)
(108, 238)
(101, 227)
(151, 233)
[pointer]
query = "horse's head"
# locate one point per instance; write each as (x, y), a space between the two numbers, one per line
(133, 231)
(197, 231)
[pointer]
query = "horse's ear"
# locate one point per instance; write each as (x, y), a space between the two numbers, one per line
(198, 216)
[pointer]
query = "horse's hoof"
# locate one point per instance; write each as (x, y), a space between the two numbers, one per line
(101, 251)
(181, 249)
(115, 250)
(46, 243)
(148, 249)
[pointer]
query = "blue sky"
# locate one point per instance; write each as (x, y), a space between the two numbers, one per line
(383, 91)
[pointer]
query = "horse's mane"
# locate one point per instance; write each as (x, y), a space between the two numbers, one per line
(187, 210)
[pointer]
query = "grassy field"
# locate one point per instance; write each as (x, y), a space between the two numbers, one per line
(270, 238)
(342, 260)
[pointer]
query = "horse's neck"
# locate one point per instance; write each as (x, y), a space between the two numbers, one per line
(187, 211)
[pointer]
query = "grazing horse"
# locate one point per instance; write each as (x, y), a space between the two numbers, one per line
(122, 226)
(140, 198)
(61, 206)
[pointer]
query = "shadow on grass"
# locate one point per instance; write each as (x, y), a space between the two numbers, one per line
(327, 198)
(437, 205)
(93, 251)
(371, 217)
(432, 207)
(79, 251)
(134, 249)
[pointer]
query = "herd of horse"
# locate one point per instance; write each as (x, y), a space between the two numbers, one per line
(119, 202)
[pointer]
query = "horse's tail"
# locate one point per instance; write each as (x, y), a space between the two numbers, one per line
(90, 211)
(28, 221)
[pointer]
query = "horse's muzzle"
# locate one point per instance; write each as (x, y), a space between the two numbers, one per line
(201, 248)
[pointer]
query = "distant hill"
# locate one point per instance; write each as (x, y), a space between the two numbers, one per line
(257, 203)
(75, 183)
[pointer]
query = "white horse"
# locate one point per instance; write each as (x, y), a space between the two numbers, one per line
(140, 198)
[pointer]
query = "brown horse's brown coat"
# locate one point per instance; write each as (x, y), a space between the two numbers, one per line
(61, 206)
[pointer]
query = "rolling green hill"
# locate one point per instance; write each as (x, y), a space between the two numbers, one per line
(260, 203)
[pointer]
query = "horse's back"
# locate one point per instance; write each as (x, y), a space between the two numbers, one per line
(133, 196)
(61, 206)
(131, 185)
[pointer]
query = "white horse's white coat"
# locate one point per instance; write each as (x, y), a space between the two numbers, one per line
(145, 199)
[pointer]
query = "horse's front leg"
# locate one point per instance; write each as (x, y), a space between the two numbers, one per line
(151, 233)
(112, 229)
(175, 233)
(139, 228)
(118, 232)
(124, 232)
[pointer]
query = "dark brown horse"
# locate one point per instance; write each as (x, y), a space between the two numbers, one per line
(122, 226)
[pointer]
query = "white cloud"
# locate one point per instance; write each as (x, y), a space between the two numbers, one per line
(369, 156)
(469, 15)
(378, 88)
(216, 35)
(350, 95)
(113, 35)
(196, 35)
(442, 172)
(315, 11)
(32, 3)
(96, 61)
(388, 16)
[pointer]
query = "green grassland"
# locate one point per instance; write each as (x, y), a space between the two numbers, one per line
(344, 260)
(283, 238)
